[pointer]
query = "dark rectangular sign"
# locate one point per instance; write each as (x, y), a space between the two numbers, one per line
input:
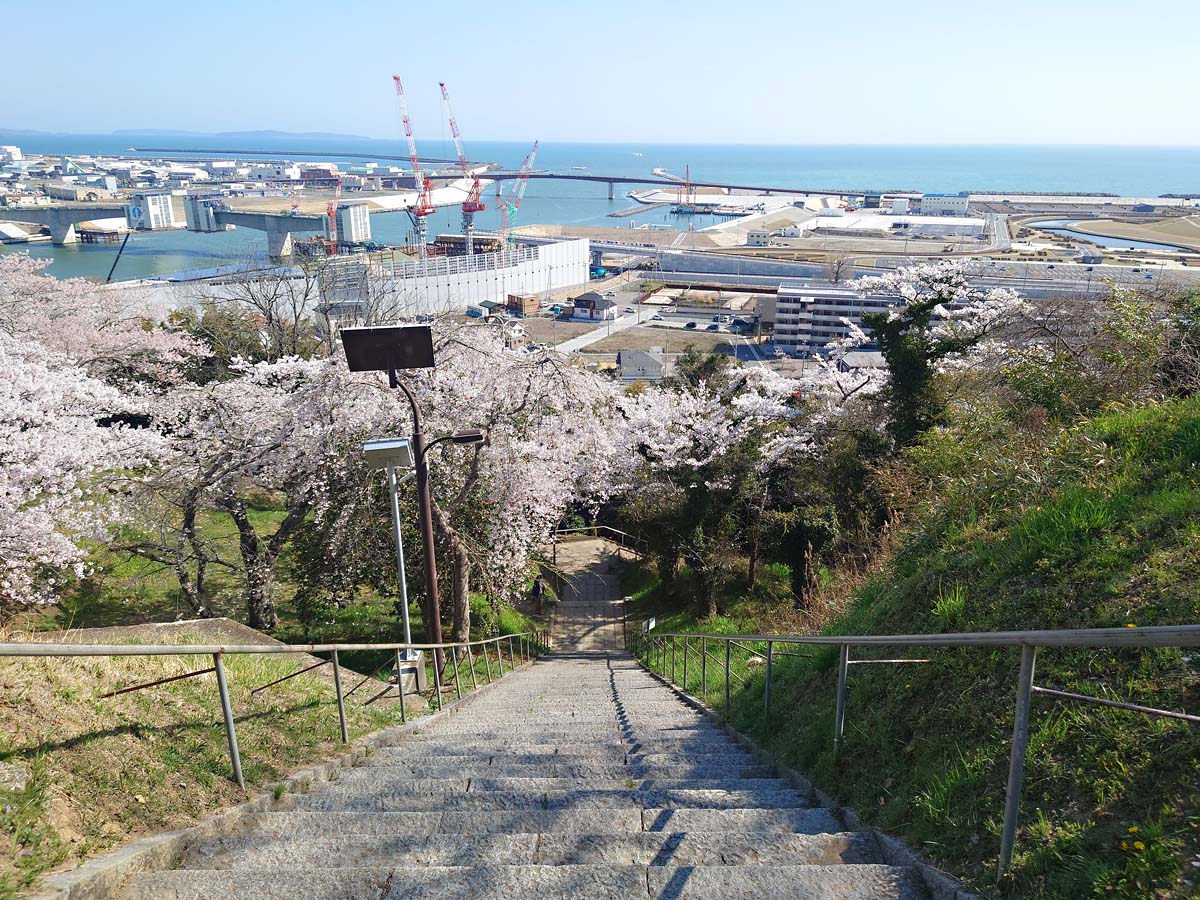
(384, 347)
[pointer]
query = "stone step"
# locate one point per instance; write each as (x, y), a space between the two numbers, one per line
(586, 882)
(605, 772)
(463, 822)
(384, 781)
(336, 797)
(267, 851)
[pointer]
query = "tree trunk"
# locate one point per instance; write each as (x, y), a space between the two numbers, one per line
(193, 589)
(710, 599)
(259, 559)
(460, 575)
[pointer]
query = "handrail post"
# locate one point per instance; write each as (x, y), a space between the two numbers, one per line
(487, 663)
(1016, 760)
(767, 684)
(337, 689)
(471, 657)
(400, 687)
(728, 651)
(512, 659)
(227, 712)
(672, 659)
(704, 668)
(457, 676)
(839, 715)
(437, 677)
(685, 650)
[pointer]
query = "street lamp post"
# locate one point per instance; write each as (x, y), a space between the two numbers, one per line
(390, 348)
(390, 454)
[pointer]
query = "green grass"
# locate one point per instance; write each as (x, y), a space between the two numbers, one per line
(1099, 528)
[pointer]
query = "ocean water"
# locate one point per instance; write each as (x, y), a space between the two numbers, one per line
(1126, 171)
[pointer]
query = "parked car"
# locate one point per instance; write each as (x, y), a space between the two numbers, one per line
(713, 327)
(630, 309)
(690, 325)
(656, 318)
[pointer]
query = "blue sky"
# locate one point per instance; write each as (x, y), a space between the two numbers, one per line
(871, 71)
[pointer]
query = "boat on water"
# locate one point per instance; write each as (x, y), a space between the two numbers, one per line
(580, 168)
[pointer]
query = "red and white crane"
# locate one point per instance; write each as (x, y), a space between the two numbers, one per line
(424, 204)
(510, 204)
(332, 210)
(472, 204)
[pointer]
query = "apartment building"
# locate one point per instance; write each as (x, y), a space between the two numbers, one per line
(808, 318)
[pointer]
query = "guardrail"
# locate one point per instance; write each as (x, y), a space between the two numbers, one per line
(623, 539)
(529, 645)
(658, 652)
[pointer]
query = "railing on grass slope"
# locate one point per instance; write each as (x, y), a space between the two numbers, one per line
(658, 653)
(530, 645)
(623, 539)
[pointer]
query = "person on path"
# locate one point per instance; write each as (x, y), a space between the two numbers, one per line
(539, 594)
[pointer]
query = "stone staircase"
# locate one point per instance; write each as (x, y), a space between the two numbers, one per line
(580, 776)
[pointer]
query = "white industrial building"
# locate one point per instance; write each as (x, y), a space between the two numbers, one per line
(945, 204)
(152, 211)
(10, 154)
(449, 283)
(273, 172)
(354, 222)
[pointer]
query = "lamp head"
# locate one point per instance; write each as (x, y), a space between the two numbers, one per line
(469, 436)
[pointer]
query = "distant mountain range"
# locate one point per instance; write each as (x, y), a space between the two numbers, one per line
(168, 132)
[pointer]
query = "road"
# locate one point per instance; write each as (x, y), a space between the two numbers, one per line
(614, 326)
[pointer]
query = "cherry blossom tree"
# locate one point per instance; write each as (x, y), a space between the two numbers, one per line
(936, 313)
(60, 465)
(112, 332)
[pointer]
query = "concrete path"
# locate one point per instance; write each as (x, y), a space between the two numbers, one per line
(581, 776)
(588, 615)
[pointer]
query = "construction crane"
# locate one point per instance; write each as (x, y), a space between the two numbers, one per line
(472, 204)
(509, 205)
(423, 208)
(332, 210)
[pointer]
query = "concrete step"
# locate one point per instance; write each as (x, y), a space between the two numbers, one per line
(599, 771)
(267, 851)
(585, 882)
(364, 798)
(463, 822)
(385, 781)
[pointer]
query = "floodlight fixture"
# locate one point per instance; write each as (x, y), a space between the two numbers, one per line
(385, 453)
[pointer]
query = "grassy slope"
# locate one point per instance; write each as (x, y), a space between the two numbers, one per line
(106, 770)
(1102, 530)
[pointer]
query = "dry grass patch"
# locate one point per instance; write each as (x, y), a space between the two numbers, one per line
(103, 771)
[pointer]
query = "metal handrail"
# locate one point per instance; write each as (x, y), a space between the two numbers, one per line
(39, 648)
(1028, 641)
(1148, 636)
(532, 644)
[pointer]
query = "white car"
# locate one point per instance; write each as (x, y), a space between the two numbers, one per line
(656, 318)
(630, 309)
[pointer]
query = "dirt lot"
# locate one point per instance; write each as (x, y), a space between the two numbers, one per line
(672, 340)
(550, 331)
